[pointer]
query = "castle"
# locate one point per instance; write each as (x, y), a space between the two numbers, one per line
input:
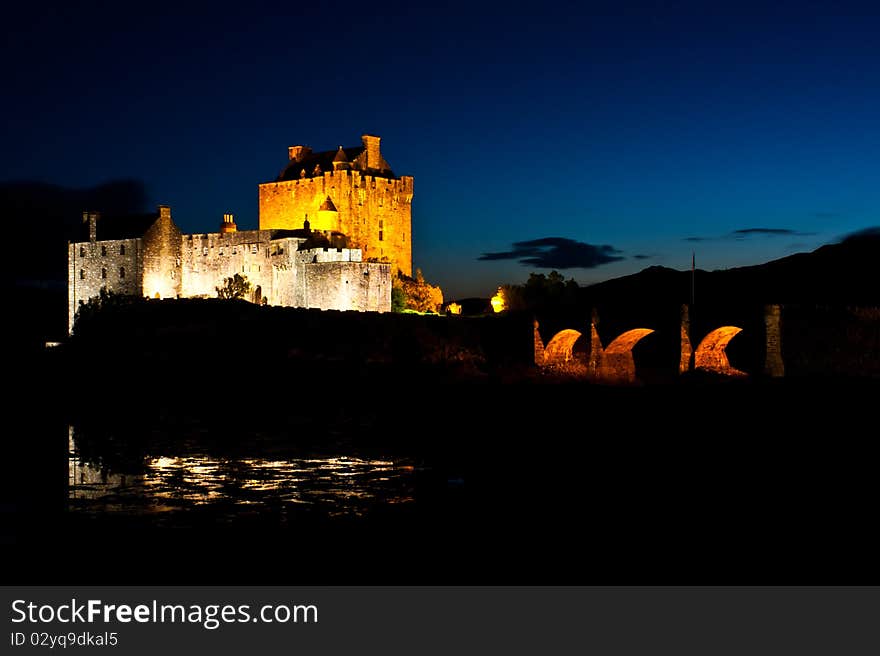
(335, 227)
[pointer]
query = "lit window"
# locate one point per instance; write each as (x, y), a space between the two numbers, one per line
(122, 249)
(122, 272)
(82, 274)
(103, 273)
(103, 250)
(253, 249)
(205, 250)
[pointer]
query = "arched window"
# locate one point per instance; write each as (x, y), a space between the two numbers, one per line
(82, 251)
(122, 249)
(103, 273)
(103, 250)
(82, 274)
(122, 272)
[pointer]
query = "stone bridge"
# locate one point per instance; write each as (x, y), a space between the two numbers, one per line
(615, 363)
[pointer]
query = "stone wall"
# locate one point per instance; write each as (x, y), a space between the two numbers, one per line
(374, 212)
(115, 265)
(773, 364)
(364, 286)
(209, 258)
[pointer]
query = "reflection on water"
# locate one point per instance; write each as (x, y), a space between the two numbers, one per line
(332, 486)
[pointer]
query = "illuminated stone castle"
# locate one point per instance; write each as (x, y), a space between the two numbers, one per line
(334, 228)
(351, 191)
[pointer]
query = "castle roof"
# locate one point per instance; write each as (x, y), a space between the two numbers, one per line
(119, 226)
(328, 205)
(294, 169)
(340, 155)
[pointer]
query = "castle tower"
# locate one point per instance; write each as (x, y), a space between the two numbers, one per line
(228, 224)
(162, 252)
(350, 190)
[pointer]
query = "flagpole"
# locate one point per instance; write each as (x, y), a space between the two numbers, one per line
(692, 360)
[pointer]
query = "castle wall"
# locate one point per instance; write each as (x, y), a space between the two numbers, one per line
(209, 258)
(116, 265)
(374, 212)
(364, 286)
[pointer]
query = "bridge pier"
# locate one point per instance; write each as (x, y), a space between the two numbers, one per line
(540, 356)
(773, 364)
(686, 362)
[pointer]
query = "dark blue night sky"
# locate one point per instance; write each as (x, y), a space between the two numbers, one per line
(652, 129)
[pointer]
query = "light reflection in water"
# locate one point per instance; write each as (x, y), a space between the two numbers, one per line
(333, 485)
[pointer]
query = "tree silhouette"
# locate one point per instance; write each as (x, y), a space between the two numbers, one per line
(235, 287)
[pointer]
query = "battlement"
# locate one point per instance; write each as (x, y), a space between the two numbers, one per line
(329, 254)
(356, 177)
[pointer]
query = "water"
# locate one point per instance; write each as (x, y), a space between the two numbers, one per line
(164, 487)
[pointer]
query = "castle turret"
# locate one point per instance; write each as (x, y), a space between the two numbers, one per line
(340, 161)
(328, 216)
(228, 224)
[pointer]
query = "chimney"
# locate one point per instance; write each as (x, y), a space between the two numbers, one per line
(374, 157)
(92, 219)
(228, 224)
(297, 153)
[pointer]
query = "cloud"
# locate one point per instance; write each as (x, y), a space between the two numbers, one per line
(642, 256)
(770, 232)
(557, 253)
(744, 233)
(826, 215)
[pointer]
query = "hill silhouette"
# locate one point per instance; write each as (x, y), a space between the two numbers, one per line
(45, 216)
(843, 273)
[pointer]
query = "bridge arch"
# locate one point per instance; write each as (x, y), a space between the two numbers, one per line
(711, 354)
(617, 362)
(559, 349)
